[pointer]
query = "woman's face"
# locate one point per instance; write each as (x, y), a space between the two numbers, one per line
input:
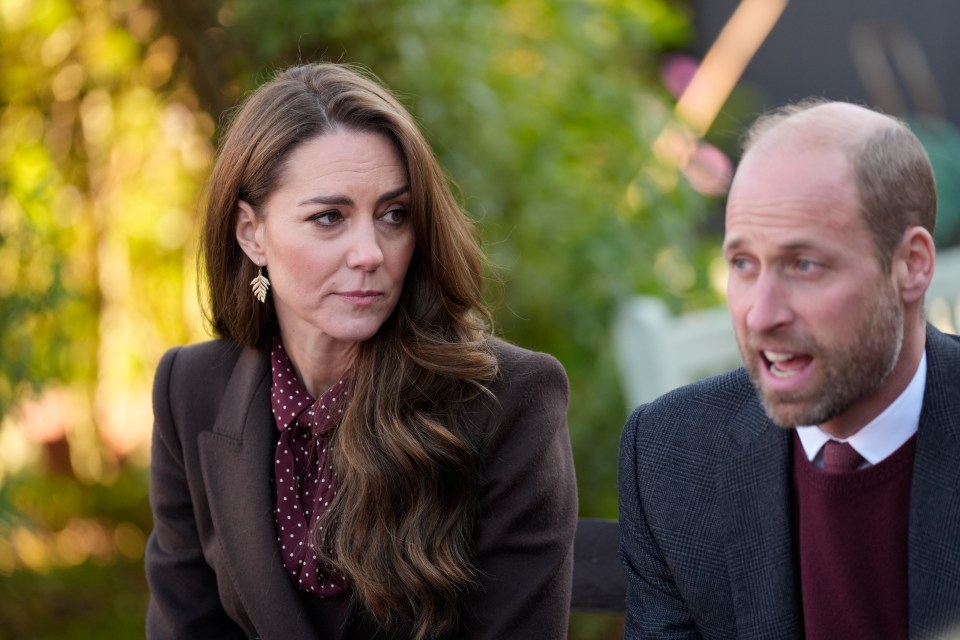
(336, 238)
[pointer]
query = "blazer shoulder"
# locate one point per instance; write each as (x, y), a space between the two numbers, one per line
(943, 365)
(201, 358)
(528, 399)
(943, 348)
(523, 366)
(698, 409)
(941, 402)
(724, 391)
(194, 377)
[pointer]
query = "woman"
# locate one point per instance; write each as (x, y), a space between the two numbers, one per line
(356, 456)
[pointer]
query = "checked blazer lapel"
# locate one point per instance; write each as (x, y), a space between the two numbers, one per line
(237, 461)
(754, 490)
(934, 534)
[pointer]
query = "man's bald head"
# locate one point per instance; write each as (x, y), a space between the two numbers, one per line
(892, 173)
(817, 123)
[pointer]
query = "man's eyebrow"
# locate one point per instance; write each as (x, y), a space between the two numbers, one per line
(730, 244)
(800, 245)
(737, 242)
(347, 201)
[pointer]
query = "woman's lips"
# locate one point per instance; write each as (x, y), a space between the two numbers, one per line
(360, 297)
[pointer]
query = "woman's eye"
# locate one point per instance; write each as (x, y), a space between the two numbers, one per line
(395, 216)
(327, 218)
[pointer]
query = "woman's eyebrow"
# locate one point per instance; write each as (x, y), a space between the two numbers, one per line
(346, 200)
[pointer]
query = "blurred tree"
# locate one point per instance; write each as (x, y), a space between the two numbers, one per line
(542, 111)
(102, 151)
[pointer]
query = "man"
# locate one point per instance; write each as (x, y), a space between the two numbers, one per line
(738, 517)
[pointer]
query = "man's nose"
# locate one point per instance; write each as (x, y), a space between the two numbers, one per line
(769, 304)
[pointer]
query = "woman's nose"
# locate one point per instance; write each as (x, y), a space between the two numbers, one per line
(365, 251)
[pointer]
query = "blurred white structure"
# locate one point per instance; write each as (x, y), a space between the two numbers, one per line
(657, 351)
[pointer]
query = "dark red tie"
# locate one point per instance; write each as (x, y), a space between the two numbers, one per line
(840, 457)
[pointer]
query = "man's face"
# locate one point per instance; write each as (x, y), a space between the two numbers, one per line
(819, 324)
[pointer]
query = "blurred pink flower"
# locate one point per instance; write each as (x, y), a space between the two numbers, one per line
(676, 71)
(709, 170)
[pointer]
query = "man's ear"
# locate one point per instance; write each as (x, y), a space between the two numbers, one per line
(250, 233)
(914, 263)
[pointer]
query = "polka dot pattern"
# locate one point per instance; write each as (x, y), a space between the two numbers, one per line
(304, 479)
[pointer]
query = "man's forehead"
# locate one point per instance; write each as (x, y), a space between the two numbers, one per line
(792, 208)
(788, 177)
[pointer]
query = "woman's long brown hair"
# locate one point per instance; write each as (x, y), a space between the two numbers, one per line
(400, 526)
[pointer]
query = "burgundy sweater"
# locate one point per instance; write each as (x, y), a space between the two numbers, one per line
(852, 542)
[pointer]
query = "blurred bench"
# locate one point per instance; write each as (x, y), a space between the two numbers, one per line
(599, 585)
(657, 351)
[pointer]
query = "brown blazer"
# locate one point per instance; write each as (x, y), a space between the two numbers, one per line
(212, 560)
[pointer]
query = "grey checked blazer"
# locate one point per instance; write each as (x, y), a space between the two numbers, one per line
(705, 512)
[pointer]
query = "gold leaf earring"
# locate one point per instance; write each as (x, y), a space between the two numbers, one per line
(260, 284)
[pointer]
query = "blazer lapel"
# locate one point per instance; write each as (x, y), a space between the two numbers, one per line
(236, 458)
(934, 534)
(755, 497)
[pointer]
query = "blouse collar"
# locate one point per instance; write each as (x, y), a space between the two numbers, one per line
(291, 402)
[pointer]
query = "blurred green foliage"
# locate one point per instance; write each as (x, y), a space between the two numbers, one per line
(543, 113)
(80, 548)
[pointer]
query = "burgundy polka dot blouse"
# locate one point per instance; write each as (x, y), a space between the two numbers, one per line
(304, 479)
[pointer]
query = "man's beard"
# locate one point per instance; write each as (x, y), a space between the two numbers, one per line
(850, 372)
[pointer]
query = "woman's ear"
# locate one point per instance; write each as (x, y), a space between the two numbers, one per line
(250, 233)
(914, 263)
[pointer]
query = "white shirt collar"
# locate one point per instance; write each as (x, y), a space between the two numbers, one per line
(885, 433)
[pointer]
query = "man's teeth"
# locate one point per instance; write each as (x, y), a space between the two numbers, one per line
(775, 357)
(780, 373)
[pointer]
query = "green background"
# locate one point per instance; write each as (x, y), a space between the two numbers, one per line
(543, 114)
